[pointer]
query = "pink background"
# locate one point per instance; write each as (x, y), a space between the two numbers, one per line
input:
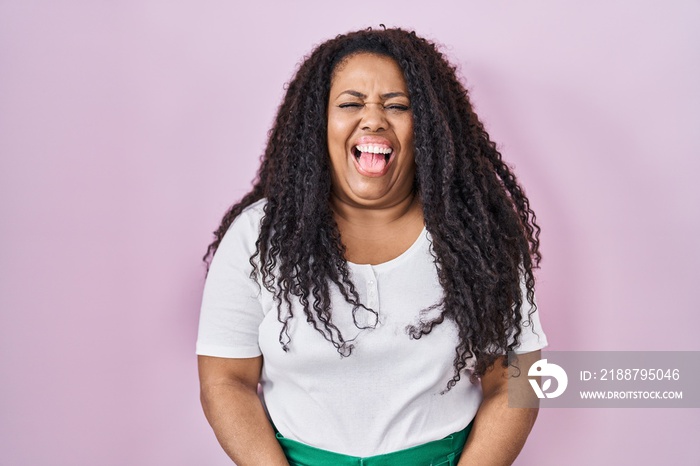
(127, 128)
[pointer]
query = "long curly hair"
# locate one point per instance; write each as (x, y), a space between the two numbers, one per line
(485, 238)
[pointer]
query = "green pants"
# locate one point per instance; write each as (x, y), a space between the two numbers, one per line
(444, 452)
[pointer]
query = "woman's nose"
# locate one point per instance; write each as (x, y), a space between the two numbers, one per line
(373, 117)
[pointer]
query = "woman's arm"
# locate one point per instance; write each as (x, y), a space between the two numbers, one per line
(233, 409)
(499, 432)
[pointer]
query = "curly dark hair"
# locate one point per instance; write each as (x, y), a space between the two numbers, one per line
(484, 235)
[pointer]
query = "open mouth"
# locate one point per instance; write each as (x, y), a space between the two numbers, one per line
(372, 159)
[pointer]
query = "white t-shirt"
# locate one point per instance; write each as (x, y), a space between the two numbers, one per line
(386, 396)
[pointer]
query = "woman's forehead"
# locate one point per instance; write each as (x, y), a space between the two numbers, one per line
(368, 69)
(342, 63)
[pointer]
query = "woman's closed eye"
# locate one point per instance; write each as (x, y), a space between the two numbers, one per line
(392, 107)
(351, 105)
(397, 107)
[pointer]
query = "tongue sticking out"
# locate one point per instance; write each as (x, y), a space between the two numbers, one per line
(372, 163)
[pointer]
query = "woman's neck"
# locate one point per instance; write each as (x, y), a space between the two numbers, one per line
(374, 235)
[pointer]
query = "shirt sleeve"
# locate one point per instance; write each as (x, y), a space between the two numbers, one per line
(231, 310)
(532, 337)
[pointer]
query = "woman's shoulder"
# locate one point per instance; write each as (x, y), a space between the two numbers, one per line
(239, 240)
(247, 223)
(256, 210)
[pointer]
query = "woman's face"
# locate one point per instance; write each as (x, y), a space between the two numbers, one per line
(370, 132)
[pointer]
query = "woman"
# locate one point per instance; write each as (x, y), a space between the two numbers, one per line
(384, 253)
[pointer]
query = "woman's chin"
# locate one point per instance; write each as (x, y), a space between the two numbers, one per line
(374, 194)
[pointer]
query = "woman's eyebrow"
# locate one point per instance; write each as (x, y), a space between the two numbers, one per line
(390, 95)
(360, 95)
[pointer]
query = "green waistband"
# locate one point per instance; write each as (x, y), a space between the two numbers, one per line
(441, 452)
